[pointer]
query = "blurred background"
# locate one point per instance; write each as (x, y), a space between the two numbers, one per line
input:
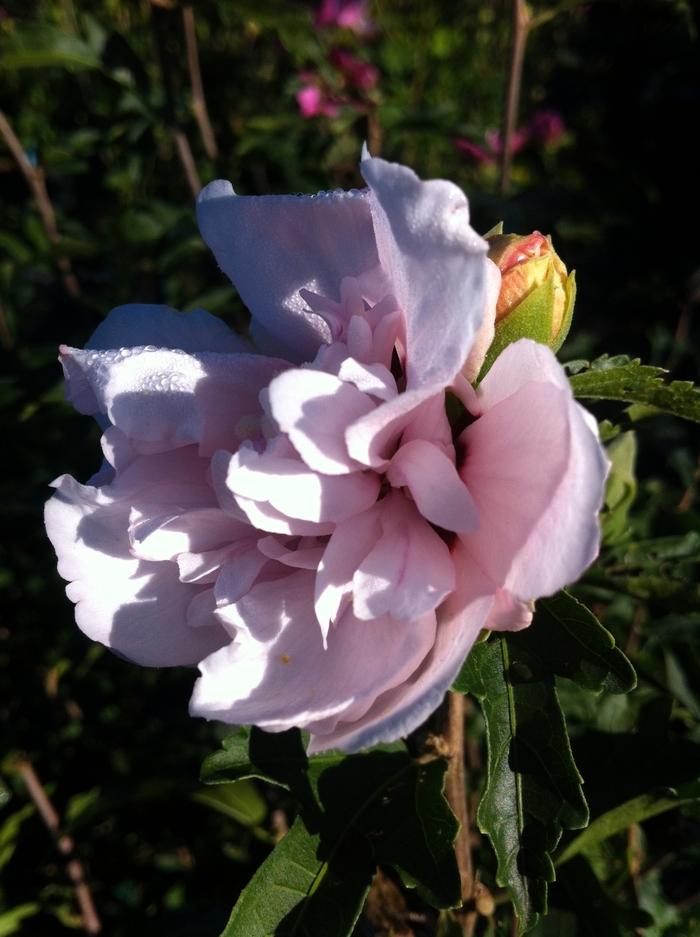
(113, 113)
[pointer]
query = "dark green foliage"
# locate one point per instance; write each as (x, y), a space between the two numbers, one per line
(355, 811)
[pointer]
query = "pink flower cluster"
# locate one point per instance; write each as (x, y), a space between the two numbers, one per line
(344, 14)
(354, 78)
(302, 521)
(544, 128)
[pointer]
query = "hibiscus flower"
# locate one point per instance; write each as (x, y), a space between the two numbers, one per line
(298, 516)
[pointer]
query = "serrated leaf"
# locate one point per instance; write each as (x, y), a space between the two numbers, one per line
(297, 892)
(533, 788)
(393, 804)
(628, 380)
(399, 805)
(278, 758)
(570, 641)
(632, 811)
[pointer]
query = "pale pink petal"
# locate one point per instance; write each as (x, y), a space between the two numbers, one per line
(200, 611)
(373, 439)
(518, 364)
(314, 408)
(277, 673)
(399, 711)
(440, 494)
(408, 572)
(373, 379)
(536, 471)
(485, 335)
(348, 546)
(296, 491)
(238, 574)
(136, 607)
(436, 264)
(163, 399)
(509, 613)
(273, 246)
(429, 422)
(202, 567)
(164, 537)
(139, 324)
(297, 556)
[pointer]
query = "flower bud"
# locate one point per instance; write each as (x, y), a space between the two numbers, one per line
(536, 298)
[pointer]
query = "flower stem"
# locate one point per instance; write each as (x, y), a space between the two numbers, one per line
(521, 29)
(199, 102)
(37, 184)
(90, 919)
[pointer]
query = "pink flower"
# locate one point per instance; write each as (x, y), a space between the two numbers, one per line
(357, 73)
(347, 14)
(314, 102)
(546, 127)
(304, 522)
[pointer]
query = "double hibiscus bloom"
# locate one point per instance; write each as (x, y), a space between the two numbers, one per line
(303, 522)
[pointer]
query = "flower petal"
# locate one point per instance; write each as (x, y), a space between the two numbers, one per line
(163, 399)
(296, 491)
(277, 673)
(140, 324)
(400, 710)
(273, 246)
(314, 408)
(138, 608)
(440, 494)
(436, 264)
(408, 571)
(348, 546)
(536, 471)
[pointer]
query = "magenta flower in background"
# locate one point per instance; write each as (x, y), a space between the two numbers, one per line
(357, 74)
(313, 101)
(299, 518)
(543, 129)
(347, 14)
(547, 127)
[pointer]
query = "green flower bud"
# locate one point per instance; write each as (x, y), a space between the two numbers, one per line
(537, 294)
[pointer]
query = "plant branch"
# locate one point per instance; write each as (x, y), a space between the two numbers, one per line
(37, 184)
(199, 102)
(182, 144)
(65, 845)
(456, 793)
(520, 31)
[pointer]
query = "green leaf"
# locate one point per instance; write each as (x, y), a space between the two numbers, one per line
(392, 803)
(10, 830)
(570, 641)
(626, 379)
(277, 758)
(241, 801)
(297, 892)
(621, 487)
(533, 788)
(39, 46)
(632, 811)
(11, 921)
